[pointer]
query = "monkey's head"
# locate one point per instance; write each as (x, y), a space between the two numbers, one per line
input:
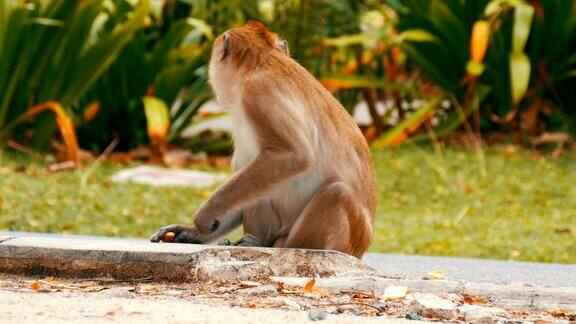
(245, 47)
(253, 38)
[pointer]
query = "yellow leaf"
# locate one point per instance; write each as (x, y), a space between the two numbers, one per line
(479, 41)
(157, 119)
(519, 76)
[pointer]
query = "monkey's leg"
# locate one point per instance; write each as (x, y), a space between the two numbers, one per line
(261, 225)
(187, 234)
(334, 219)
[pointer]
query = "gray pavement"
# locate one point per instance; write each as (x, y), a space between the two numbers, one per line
(473, 270)
(477, 270)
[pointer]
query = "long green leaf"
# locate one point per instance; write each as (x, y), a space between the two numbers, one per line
(521, 29)
(89, 67)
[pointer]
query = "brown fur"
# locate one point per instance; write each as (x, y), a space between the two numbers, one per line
(304, 176)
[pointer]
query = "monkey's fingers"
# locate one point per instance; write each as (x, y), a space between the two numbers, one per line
(160, 235)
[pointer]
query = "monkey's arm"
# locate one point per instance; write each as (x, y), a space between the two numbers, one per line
(284, 153)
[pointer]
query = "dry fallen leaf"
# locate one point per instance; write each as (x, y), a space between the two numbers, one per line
(570, 314)
(394, 293)
(94, 288)
(540, 321)
(510, 150)
(37, 286)
(248, 284)
(473, 300)
(53, 284)
(370, 311)
(514, 254)
(309, 286)
(5, 170)
(362, 297)
(61, 166)
(149, 289)
(562, 230)
(435, 275)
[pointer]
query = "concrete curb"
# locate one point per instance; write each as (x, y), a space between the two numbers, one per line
(133, 259)
(137, 259)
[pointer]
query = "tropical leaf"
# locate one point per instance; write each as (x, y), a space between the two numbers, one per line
(521, 29)
(519, 76)
(416, 35)
(355, 82)
(157, 120)
(65, 126)
(402, 131)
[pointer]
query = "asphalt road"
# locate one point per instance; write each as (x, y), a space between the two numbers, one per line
(476, 270)
(473, 270)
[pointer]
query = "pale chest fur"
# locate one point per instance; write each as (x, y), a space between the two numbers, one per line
(245, 141)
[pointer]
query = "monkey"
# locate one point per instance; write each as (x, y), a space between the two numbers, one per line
(303, 172)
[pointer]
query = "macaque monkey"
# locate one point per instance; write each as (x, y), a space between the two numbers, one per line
(303, 171)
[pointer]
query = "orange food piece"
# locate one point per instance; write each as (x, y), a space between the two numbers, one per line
(169, 237)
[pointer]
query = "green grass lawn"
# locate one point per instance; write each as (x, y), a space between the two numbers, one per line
(449, 201)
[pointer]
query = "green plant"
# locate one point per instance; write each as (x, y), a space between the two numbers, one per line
(165, 60)
(55, 51)
(552, 49)
(528, 63)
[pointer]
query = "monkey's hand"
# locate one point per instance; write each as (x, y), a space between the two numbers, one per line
(183, 234)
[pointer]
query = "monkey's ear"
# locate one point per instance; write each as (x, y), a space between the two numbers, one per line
(283, 44)
(225, 46)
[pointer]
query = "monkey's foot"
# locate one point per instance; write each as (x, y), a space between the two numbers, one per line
(225, 242)
(248, 240)
(183, 234)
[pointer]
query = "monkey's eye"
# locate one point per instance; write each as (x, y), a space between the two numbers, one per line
(283, 44)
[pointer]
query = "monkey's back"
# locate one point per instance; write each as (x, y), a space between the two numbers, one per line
(342, 151)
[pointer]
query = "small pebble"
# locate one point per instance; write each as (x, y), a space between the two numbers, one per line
(381, 306)
(357, 312)
(317, 315)
(414, 317)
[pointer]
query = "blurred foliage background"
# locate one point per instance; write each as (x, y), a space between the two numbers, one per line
(100, 77)
(423, 68)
